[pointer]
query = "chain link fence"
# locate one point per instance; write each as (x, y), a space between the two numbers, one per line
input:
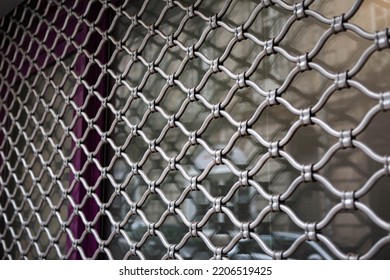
(201, 129)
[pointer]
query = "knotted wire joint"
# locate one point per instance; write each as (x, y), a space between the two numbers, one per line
(215, 66)
(134, 56)
(385, 101)
(194, 229)
(275, 203)
(190, 11)
(90, 191)
(244, 178)
(217, 204)
(118, 152)
(134, 130)
(152, 229)
(266, 3)
(273, 149)
(271, 98)
(241, 81)
(243, 128)
(152, 146)
(118, 189)
(63, 227)
(76, 210)
(152, 186)
(102, 246)
(239, 33)
(338, 24)
(172, 164)
(118, 11)
(54, 179)
(172, 121)
(307, 173)
(387, 166)
(269, 46)
(213, 22)
(171, 80)
(216, 111)
(171, 207)
(171, 251)
(134, 93)
(191, 94)
(305, 117)
(78, 111)
(311, 231)
(351, 256)
(245, 230)
(382, 39)
(64, 194)
(346, 139)
(152, 106)
(103, 208)
(218, 157)
(151, 30)
(104, 36)
(134, 208)
(194, 184)
(133, 248)
(118, 116)
(348, 200)
(170, 42)
(299, 11)
(170, 4)
(134, 20)
(193, 138)
(134, 169)
(90, 123)
(303, 63)
(151, 68)
(117, 228)
(191, 52)
(218, 253)
(103, 173)
(277, 255)
(342, 80)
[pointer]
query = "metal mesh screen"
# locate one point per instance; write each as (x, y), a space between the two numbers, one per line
(195, 130)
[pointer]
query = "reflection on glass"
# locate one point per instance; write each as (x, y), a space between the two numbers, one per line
(343, 110)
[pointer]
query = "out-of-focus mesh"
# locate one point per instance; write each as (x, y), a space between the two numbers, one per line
(195, 130)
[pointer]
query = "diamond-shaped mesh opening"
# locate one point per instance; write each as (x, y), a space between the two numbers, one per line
(374, 199)
(347, 114)
(342, 172)
(312, 201)
(153, 248)
(220, 230)
(379, 146)
(173, 229)
(247, 249)
(276, 175)
(195, 206)
(274, 122)
(246, 203)
(298, 42)
(319, 142)
(368, 234)
(195, 249)
(312, 250)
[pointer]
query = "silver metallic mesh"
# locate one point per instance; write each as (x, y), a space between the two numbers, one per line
(195, 130)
